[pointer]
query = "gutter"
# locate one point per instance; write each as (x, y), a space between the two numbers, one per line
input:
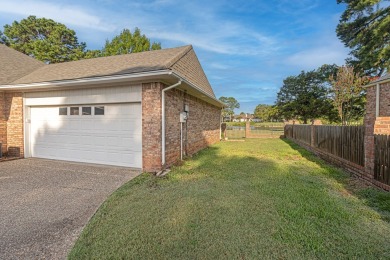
(84, 81)
(163, 120)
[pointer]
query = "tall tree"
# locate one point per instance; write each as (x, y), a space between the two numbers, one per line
(365, 28)
(3, 39)
(348, 94)
(231, 104)
(43, 39)
(267, 113)
(304, 97)
(127, 42)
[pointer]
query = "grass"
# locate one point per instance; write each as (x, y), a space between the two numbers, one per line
(258, 199)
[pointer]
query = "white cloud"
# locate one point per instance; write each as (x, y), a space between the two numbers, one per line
(228, 38)
(218, 66)
(67, 14)
(211, 31)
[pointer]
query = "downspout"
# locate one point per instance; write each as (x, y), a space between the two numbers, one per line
(377, 101)
(163, 120)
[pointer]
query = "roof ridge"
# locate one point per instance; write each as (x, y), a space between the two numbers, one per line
(179, 56)
(114, 56)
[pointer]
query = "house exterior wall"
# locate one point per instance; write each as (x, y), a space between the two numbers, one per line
(384, 100)
(151, 126)
(382, 122)
(202, 127)
(13, 121)
(375, 125)
(3, 123)
(104, 94)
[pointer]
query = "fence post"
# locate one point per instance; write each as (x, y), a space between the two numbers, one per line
(247, 129)
(223, 131)
(312, 133)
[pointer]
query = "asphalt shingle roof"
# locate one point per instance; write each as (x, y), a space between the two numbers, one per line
(181, 60)
(14, 65)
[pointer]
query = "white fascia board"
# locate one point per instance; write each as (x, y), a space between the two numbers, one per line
(85, 81)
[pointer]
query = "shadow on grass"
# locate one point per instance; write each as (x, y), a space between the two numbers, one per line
(373, 197)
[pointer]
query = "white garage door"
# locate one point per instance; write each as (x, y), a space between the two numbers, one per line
(105, 134)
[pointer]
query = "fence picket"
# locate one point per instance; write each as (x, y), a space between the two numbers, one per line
(346, 142)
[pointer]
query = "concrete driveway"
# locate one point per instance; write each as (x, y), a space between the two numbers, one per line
(44, 204)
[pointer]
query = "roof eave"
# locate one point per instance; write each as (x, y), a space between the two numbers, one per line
(142, 76)
(86, 81)
(374, 83)
(202, 94)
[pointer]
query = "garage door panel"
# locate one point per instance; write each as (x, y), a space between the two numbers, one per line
(113, 138)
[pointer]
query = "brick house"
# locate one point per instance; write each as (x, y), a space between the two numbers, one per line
(377, 118)
(143, 110)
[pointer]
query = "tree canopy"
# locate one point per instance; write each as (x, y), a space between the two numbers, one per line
(127, 42)
(365, 28)
(43, 39)
(348, 94)
(53, 42)
(305, 97)
(267, 113)
(232, 104)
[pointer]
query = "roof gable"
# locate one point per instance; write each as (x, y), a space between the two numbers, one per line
(181, 60)
(188, 66)
(14, 64)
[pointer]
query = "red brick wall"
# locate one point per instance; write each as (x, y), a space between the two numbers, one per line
(384, 100)
(376, 125)
(173, 106)
(382, 126)
(11, 124)
(14, 114)
(3, 123)
(203, 125)
(151, 126)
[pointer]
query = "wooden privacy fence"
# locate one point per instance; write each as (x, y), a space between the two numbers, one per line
(346, 142)
(382, 158)
(298, 132)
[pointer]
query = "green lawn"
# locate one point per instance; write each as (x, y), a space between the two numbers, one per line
(258, 199)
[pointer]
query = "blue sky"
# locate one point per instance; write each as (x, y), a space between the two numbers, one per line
(246, 47)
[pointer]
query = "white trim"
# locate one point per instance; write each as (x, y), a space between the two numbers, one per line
(92, 80)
